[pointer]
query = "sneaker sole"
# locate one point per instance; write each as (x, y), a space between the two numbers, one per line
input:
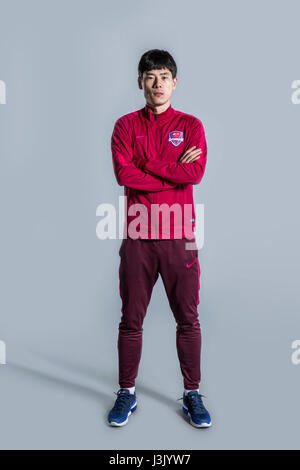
(114, 423)
(203, 425)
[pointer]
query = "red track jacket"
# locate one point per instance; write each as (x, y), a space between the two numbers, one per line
(145, 152)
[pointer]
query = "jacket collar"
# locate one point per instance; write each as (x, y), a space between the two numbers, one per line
(165, 115)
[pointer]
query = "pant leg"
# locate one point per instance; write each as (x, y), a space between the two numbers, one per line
(180, 272)
(138, 272)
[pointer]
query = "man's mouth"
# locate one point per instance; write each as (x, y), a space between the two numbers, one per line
(158, 93)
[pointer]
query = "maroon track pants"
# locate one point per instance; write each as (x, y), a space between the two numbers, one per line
(141, 262)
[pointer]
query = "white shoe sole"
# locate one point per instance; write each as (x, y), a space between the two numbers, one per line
(203, 425)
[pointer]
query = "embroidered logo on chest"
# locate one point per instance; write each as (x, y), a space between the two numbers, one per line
(176, 137)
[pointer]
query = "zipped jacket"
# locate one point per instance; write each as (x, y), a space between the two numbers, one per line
(145, 149)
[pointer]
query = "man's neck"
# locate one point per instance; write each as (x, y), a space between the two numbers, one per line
(159, 109)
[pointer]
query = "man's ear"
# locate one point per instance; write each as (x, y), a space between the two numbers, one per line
(140, 83)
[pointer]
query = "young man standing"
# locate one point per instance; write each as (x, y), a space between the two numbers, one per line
(158, 154)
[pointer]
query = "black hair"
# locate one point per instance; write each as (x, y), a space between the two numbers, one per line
(157, 59)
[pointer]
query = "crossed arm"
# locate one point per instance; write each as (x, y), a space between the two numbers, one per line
(156, 175)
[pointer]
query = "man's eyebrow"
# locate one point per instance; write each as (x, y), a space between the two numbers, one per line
(162, 73)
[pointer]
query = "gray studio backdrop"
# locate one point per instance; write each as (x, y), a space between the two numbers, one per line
(70, 70)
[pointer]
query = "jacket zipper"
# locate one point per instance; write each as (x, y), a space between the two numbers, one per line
(155, 195)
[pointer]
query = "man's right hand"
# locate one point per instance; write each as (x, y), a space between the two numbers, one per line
(190, 155)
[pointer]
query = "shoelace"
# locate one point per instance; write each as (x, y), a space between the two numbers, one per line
(122, 400)
(196, 404)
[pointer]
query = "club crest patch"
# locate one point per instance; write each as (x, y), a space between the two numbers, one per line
(176, 137)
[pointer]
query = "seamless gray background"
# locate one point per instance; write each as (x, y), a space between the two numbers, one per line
(70, 68)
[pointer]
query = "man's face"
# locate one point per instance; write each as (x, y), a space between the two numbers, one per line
(158, 86)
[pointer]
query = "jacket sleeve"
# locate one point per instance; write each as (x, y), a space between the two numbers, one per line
(183, 172)
(127, 174)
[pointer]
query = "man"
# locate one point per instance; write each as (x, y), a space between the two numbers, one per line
(158, 154)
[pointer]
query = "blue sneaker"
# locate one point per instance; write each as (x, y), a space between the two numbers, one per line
(193, 407)
(124, 405)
